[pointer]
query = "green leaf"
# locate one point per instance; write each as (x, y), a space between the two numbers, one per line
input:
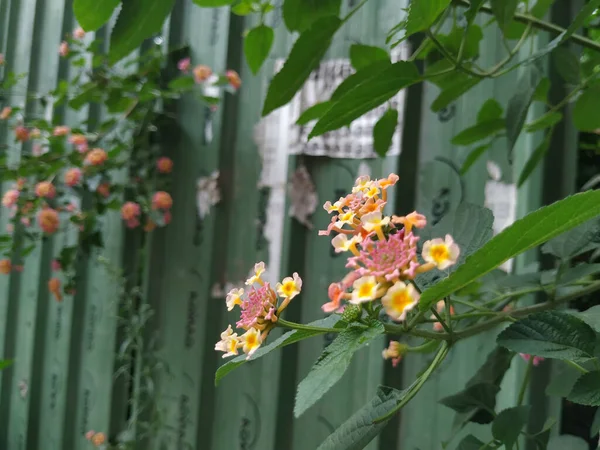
(383, 131)
(137, 21)
(422, 14)
(551, 334)
(299, 15)
(561, 383)
(92, 14)
(526, 233)
(591, 316)
(332, 364)
(479, 398)
(470, 442)
(453, 41)
(490, 110)
(291, 337)
(472, 158)
(182, 83)
(302, 60)
(453, 91)
(4, 363)
(546, 121)
(478, 132)
(566, 441)
(360, 429)
(595, 428)
(314, 112)
(243, 8)
(566, 64)
(213, 3)
(257, 45)
(508, 425)
(504, 11)
(576, 273)
(494, 368)
(587, 389)
(573, 242)
(362, 56)
(541, 92)
(536, 157)
(367, 95)
(368, 73)
(585, 112)
(472, 11)
(518, 105)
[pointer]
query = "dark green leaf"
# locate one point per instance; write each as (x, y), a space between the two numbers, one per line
(551, 334)
(314, 112)
(591, 316)
(472, 11)
(472, 157)
(362, 56)
(137, 21)
(587, 389)
(360, 429)
(4, 363)
(213, 3)
(302, 60)
(453, 41)
(366, 96)
(299, 15)
(257, 45)
(478, 132)
(453, 91)
(504, 10)
(508, 425)
(92, 14)
(541, 93)
(536, 157)
(490, 110)
(546, 121)
(383, 132)
(368, 73)
(585, 112)
(566, 64)
(562, 382)
(494, 368)
(573, 242)
(470, 442)
(566, 441)
(518, 105)
(526, 233)
(422, 14)
(332, 364)
(479, 398)
(288, 338)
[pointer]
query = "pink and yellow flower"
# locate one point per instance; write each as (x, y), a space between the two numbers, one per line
(229, 343)
(164, 165)
(45, 189)
(10, 198)
(364, 290)
(5, 113)
(162, 200)
(399, 300)
(442, 253)
(394, 351)
(201, 73)
(48, 220)
(289, 286)
(184, 65)
(259, 269)
(234, 297)
(73, 176)
(251, 341)
(96, 157)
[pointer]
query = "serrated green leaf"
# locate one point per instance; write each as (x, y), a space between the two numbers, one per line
(504, 11)
(490, 110)
(257, 46)
(536, 157)
(453, 91)
(573, 242)
(314, 112)
(508, 425)
(532, 230)
(366, 96)
(518, 105)
(360, 429)
(304, 57)
(383, 132)
(585, 112)
(566, 441)
(591, 316)
(470, 442)
(422, 14)
(551, 334)
(478, 132)
(213, 3)
(92, 14)
(362, 56)
(546, 121)
(332, 364)
(288, 338)
(370, 72)
(137, 21)
(566, 64)
(299, 15)
(586, 390)
(472, 158)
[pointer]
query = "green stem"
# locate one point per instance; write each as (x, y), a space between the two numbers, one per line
(427, 347)
(574, 365)
(440, 320)
(525, 382)
(399, 330)
(299, 326)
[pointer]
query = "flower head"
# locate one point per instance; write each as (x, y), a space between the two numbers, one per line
(364, 290)
(130, 212)
(45, 189)
(48, 220)
(79, 33)
(399, 299)
(234, 297)
(5, 113)
(336, 294)
(259, 269)
(63, 49)
(61, 130)
(256, 305)
(394, 351)
(162, 200)
(96, 157)
(103, 189)
(73, 176)
(54, 288)
(202, 73)
(440, 307)
(414, 219)
(21, 133)
(234, 79)
(99, 439)
(290, 286)
(229, 343)
(251, 341)
(441, 252)
(374, 222)
(536, 359)
(5, 266)
(184, 65)
(10, 198)
(164, 165)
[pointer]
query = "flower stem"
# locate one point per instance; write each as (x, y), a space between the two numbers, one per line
(525, 382)
(299, 326)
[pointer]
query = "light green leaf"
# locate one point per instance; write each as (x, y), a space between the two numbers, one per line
(243, 8)
(366, 96)
(478, 132)
(566, 441)
(314, 112)
(332, 364)
(182, 83)
(472, 11)
(360, 429)
(137, 21)
(92, 14)
(546, 121)
(566, 64)
(587, 389)
(585, 112)
(362, 56)
(257, 45)
(490, 110)
(291, 337)
(595, 428)
(508, 425)
(213, 3)
(472, 158)
(536, 157)
(470, 442)
(453, 42)
(4, 363)
(383, 131)
(562, 382)
(299, 15)
(504, 10)
(551, 334)
(453, 91)
(577, 273)
(573, 242)
(591, 316)
(304, 57)
(372, 71)
(422, 14)
(526, 233)
(541, 93)
(518, 105)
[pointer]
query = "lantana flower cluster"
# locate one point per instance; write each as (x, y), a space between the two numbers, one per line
(260, 307)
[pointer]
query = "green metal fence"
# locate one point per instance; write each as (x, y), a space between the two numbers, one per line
(66, 354)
